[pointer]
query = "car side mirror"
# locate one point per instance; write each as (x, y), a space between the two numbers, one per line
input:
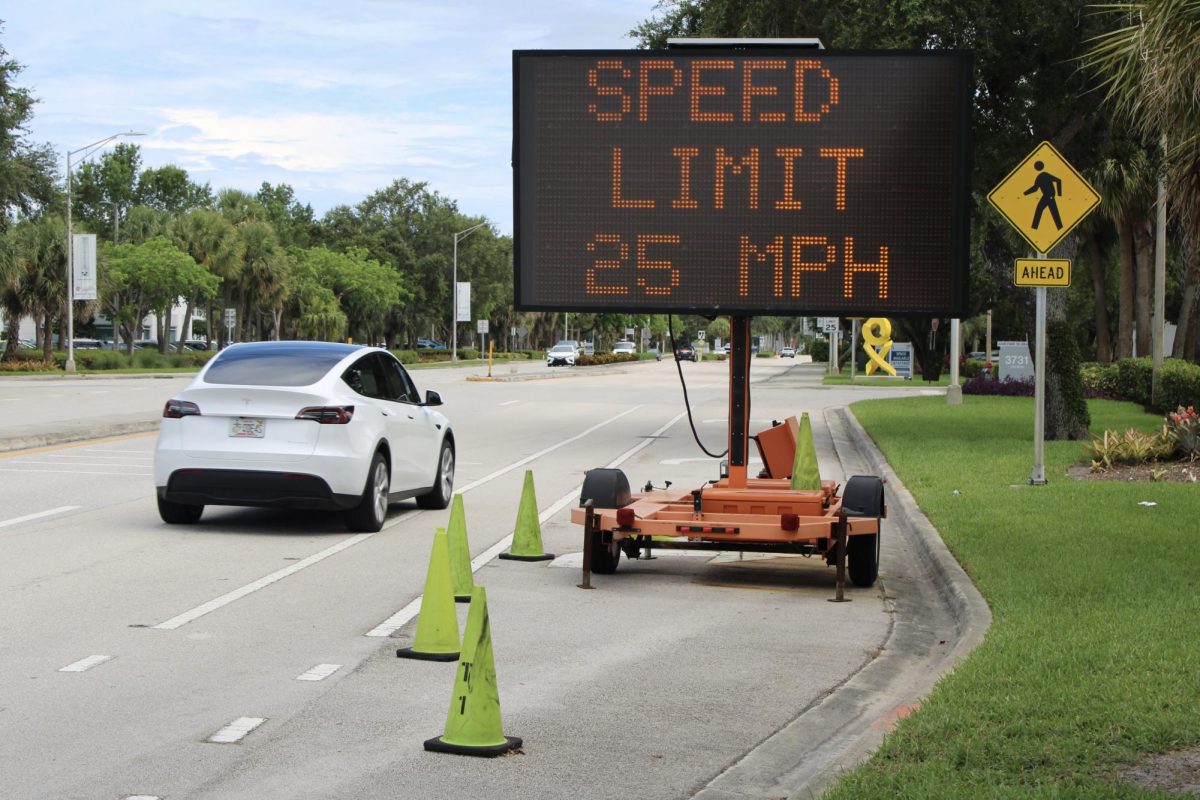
(432, 398)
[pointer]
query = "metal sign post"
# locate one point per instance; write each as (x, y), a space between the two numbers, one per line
(1043, 198)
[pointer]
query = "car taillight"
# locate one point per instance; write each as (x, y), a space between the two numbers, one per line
(327, 415)
(178, 409)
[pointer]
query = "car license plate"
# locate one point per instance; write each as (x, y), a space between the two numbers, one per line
(247, 428)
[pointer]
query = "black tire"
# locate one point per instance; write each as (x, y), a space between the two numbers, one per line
(605, 557)
(443, 484)
(863, 497)
(369, 515)
(178, 513)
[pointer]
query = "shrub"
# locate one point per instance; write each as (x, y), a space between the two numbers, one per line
(406, 356)
(150, 359)
(1178, 384)
(1130, 447)
(603, 358)
(101, 359)
(1100, 380)
(21, 364)
(819, 350)
(766, 354)
(1009, 387)
(468, 353)
(1183, 428)
(1134, 378)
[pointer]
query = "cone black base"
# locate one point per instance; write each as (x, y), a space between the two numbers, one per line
(462, 598)
(436, 745)
(408, 652)
(512, 557)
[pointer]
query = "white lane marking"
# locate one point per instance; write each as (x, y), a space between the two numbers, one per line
(674, 462)
(84, 664)
(541, 453)
(509, 402)
(237, 594)
(71, 471)
(141, 797)
(401, 617)
(38, 515)
(236, 730)
(99, 391)
(138, 459)
(9, 399)
(319, 673)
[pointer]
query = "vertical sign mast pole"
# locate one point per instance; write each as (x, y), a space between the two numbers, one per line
(739, 395)
(1038, 478)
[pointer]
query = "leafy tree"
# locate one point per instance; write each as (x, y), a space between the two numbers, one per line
(27, 171)
(293, 221)
(38, 275)
(103, 190)
(169, 189)
(212, 242)
(365, 290)
(138, 278)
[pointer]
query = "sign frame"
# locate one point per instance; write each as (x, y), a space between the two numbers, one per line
(952, 287)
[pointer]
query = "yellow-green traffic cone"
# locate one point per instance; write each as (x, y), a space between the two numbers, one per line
(805, 474)
(527, 535)
(437, 624)
(473, 726)
(461, 577)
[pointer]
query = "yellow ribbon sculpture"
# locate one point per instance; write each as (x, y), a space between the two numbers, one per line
(877, 333)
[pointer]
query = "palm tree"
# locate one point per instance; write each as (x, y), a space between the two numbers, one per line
(40, 259)
(212, 242)
(1147, 68)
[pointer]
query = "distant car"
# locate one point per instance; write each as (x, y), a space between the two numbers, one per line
(87, 344)
(727, 348)
(685, 352)
(196, 344)
(787, 352)
(562, 354)
(303, 425)
(625, 348)
(429, 344)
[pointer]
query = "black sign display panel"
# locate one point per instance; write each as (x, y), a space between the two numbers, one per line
(742, 181)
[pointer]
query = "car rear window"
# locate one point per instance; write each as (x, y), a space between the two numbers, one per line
(280, 364)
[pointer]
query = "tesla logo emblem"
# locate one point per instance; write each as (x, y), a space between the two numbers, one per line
(246, 400)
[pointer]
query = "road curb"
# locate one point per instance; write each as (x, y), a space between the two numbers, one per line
(34, 440)
(841, 729)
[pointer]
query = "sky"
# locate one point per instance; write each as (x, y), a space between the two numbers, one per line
(335, 99)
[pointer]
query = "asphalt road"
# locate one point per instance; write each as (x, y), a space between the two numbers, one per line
(683, 676)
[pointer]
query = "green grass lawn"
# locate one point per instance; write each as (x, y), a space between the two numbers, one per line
(1093, 658)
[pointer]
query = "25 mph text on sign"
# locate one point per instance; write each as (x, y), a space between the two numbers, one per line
(773, 181)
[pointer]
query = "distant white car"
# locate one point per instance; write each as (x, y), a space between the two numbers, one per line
(625, 348)
(563, 354)
(318, 425)
(787, 352)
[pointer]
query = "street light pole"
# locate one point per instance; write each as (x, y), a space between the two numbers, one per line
(70, 365)
(454, 292)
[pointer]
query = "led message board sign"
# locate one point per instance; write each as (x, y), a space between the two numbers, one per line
(742, 181)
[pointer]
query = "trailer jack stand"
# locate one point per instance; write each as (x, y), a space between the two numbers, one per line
(591, 537)
(839, 533)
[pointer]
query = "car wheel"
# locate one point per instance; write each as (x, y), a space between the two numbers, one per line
(368, 516)
(443, 484)
(178, 513)
(605, 557)
(863, 497)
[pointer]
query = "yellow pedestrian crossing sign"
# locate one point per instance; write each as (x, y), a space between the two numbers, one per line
(1044, 198)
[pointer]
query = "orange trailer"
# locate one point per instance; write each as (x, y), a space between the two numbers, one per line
(737, 512)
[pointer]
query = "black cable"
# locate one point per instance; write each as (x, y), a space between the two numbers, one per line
(686, 403)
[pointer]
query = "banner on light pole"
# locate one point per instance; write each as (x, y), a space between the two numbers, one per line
(462, 304)
(83, 259)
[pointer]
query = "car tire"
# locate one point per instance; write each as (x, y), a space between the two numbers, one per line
(369, 515)
(179, 513)
(443, 484)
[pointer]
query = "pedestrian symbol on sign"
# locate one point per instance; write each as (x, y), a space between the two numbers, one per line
(1050, 187)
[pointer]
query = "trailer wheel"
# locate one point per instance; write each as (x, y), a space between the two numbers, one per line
(863, 497)
(605, 557)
